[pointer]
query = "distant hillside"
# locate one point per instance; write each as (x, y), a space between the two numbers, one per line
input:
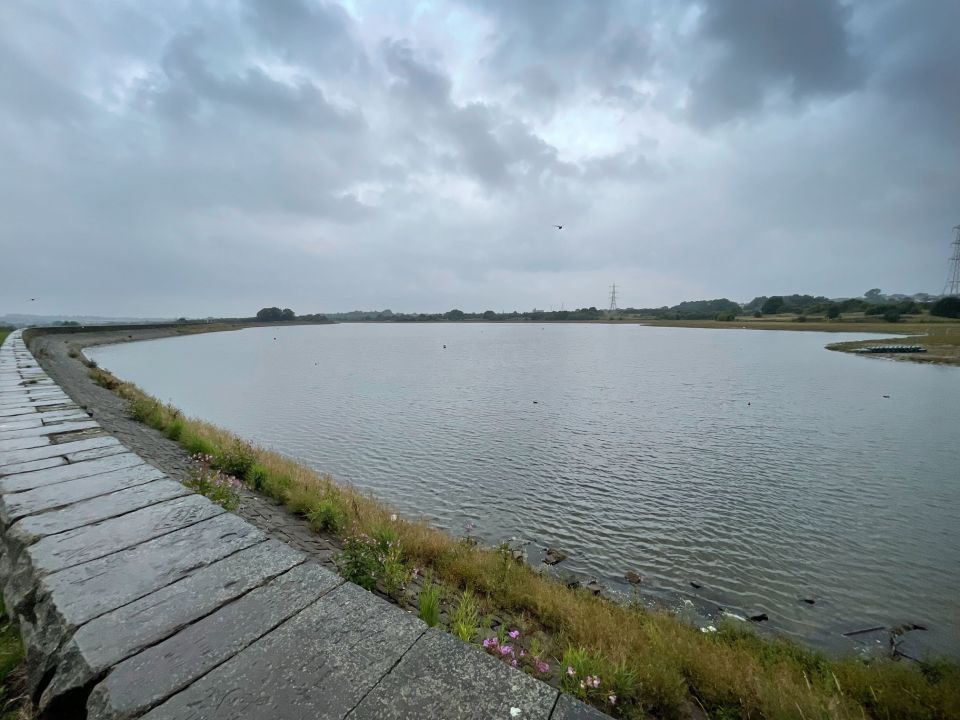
(20, 320)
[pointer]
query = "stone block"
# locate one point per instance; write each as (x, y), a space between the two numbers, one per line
(86, 512)
(21, 456)
(148, 678)
(40, 429)
(18, 482)
(442, 677)
(317, 665)
(14, 506)
(119, 634)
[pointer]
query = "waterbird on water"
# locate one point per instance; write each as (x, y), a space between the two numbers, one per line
(558, 227)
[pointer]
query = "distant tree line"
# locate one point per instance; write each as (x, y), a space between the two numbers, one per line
(873, 303)
(275, 314)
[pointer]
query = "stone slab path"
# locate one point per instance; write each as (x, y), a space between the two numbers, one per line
(138, 598)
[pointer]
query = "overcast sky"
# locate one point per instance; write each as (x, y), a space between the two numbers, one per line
(210, 158)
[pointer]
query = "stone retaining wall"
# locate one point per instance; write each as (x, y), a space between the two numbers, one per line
(137, 598)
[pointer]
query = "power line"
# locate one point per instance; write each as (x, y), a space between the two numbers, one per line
(953, 277)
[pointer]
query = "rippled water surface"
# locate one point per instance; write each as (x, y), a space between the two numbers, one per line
(755, 464)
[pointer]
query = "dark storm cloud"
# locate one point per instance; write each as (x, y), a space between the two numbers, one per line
(204, 157)
(476, 139)
(188, 82)
(548, 51)
(801, 48)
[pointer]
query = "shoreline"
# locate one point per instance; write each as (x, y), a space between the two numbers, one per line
(110, 408)
(941, 338)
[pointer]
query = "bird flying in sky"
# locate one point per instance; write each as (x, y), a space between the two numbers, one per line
(559, 227)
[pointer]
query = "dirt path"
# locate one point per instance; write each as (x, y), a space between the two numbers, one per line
(54, 352)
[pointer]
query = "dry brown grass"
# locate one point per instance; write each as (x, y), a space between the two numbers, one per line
(657, 664)
(941, 336)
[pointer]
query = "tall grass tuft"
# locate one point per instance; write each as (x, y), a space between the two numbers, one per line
(429, 602)
(465, 620)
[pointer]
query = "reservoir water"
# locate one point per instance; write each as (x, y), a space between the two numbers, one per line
(756, 465)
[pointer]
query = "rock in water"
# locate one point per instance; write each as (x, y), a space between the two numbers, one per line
(808, 601)
(759, 617)
(695, 585)
(633, 577)
(554, 556)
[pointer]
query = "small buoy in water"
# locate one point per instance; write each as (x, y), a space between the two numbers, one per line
(748, 403)
(534, 402)
(887, 396)
(444, 347)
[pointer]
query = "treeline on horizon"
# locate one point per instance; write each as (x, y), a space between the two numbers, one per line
(873, 303)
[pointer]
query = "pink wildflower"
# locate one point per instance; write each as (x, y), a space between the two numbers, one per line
(541, 666)
(523, 653)
(612, 699)
(506, 650)
(490, 642)
(514, 662)
(570, 671)
(514, 634)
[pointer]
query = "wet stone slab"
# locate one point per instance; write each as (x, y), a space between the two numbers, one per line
(65, 600)
(82, 592)
(318, 665)
(14, 506)
(86, 512)
(21, 456)
(19, 411)
(155, 674)
(51, 429)
(18, 482)
(32, 465)
(32, 422)
(442, 677)
(32, 398)
(90, 542)
(96, 453)
(22, 443)
(49, 416)
(119, 634)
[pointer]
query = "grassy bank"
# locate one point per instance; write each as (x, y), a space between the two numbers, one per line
(626, 659)
(13, 704)
(940, 336)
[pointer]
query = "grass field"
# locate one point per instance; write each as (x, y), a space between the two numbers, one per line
(11, 670)
(649, 662)
(940, 336)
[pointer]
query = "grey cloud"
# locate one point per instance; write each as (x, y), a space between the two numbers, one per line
(252, 91)
(802, 48)
(917, 57)
(549, 51)
(418, 82)
(312, 31)
(476, 138)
